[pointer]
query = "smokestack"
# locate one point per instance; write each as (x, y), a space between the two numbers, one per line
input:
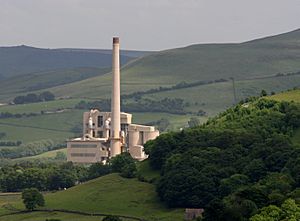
(115, 143)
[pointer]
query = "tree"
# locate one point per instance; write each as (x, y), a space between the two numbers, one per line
(32, 198)
(129, 170)
(97, 170)
(263, 93)
(124, 164)
(46, 96)
(289, 211)
(111, 218)
(194, 122)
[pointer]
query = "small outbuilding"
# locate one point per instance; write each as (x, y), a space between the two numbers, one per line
(193, 213)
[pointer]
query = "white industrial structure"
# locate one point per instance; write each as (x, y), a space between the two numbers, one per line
(107, 134)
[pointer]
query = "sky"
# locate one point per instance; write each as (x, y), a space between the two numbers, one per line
(142, 24)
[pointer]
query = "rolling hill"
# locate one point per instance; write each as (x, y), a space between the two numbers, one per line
(110, 194)
(19, 60)
(271, 63)
(255, 60)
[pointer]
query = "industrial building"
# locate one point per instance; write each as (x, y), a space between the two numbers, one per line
(107, 134)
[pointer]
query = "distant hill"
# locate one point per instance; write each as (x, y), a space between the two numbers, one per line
(265, 63)
(45, 79)
(19, 60)
(204, 62)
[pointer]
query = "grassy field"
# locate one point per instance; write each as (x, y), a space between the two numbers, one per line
(43, 80)
(49, 126)
(214, 98)
(292, 95)
(8, 198)
(41, 106)
(42, 216)
(147, 172)
(176, 121)
(112, 194)
(46, 155)
(206, 62)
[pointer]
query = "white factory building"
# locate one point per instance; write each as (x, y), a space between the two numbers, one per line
(107, 134)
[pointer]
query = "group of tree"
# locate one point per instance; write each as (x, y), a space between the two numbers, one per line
(33, 98)
(53, 176)
(167, 105)
(124, 164)
(10, 143)
(29, 149)
(289, 210)
(235, 164)
(4, 115)
(161, 124)
(138, 95)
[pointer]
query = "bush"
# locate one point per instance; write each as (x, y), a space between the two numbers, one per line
(111, 218)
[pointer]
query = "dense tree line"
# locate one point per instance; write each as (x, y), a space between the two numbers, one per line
(180, 85)
(161, 124)
(167, 105)
(10, 143)
(235, 164)
(54, 176)
(46, 176)
(33, 98)
(4, 115)
(30, 149)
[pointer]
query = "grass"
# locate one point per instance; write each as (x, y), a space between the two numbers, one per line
(176, 121)
(50, 126)
(41, 106)
(197, 63)
(46, 155)
(292, 95)
(8, 198)
(147, 172)
(217, 97)
(43, 80)
(42, 216)
(112, 194)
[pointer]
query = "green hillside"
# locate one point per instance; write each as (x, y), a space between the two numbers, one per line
(10, 87)
(206, 62)
(291, 95)
(19, 60)
(111, 194)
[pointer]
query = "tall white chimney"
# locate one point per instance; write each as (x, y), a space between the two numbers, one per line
(115, 143)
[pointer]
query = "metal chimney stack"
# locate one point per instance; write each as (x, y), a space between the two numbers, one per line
(115, 143)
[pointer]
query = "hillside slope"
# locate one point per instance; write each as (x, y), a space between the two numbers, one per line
(112, 194)
(204, 62)
(18, 60)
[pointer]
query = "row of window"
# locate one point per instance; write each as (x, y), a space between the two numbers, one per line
(84, 145)
(83, 154)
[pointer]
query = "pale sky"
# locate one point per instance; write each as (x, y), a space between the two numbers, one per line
(142, 24)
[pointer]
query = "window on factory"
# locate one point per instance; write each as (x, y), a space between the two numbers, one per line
(83, 145)
(100, 121)
(124, 127)
(83, 154)
(141, 137)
